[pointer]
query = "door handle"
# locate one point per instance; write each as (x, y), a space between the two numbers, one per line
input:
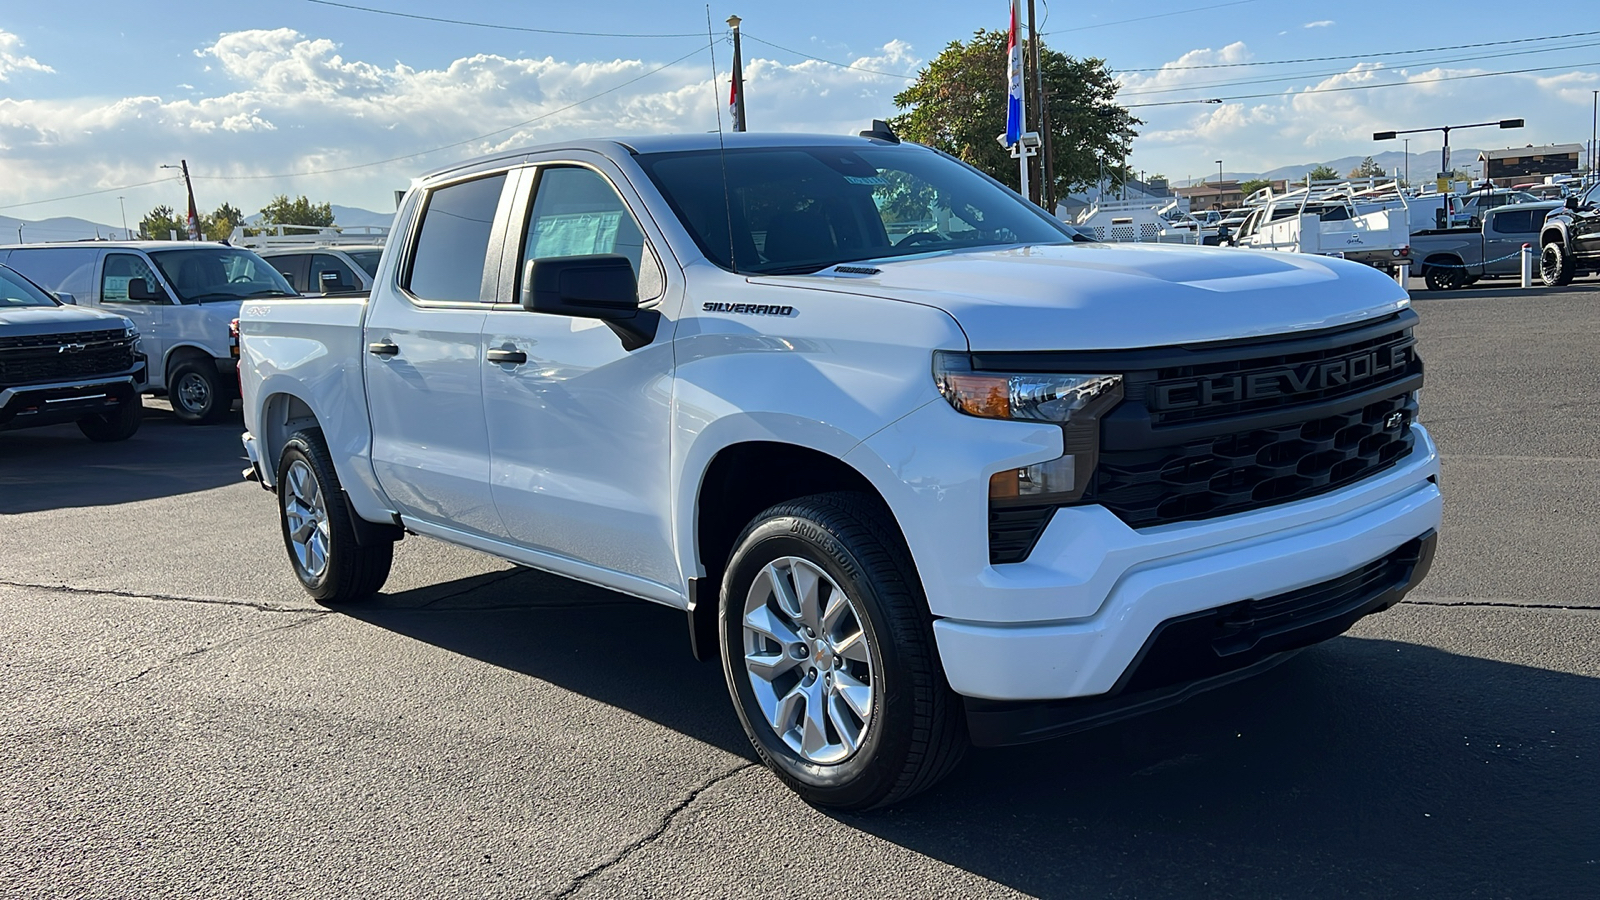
(383, 348)
(507, 357)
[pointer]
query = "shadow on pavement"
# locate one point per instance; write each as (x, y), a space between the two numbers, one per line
(58, 468)
(1359, 767)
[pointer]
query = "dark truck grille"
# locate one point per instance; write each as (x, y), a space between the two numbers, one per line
(1213, 429)
(40, 359)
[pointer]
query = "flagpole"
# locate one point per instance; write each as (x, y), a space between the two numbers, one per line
(736, 101)
(1017, 108)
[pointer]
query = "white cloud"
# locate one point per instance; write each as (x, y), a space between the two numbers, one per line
(1320, 23)
(293, 103)
(13, 60)
(1290, 125)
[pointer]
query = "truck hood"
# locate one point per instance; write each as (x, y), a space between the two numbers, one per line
(31, 320)
(1120, 296)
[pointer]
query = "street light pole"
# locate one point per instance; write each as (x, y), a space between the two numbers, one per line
(1593, 142)
(1407, 142)
(124, 208)
(1444, 155)
(1219, 182)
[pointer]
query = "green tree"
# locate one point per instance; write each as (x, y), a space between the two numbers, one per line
(958, 105)
(1368, 169)
(220, 223)
(1323, 173)
(159, 223)
(1253, 185)
(300, 211)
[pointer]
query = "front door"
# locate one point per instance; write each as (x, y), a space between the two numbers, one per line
(430, 449)
(1586, 227)
(117, 271)
(578, 426)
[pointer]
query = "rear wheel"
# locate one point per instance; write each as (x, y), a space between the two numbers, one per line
(117, 425)
(828, 651)
(198, 392)
(1555, 265)
(1439, 278)
(331, 564)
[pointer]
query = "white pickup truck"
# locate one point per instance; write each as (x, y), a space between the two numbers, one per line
(979, 484)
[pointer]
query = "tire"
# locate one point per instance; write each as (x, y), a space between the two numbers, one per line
(118, 425)
(1556, 267)
(1442, 279)
(318, 535)
(913, 732)
(198, 392)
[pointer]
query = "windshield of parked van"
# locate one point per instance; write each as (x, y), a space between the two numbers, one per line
(211, 274)
(16, 291)
(797, 210)
(366, 259)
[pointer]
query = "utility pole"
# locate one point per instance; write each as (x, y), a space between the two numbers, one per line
(1038, 97)
(736, 95)
(194, 213)
(1594, 143)
(1407, 142)
(124, 206)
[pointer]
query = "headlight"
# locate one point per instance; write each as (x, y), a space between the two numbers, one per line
(129, 331)
(1074, 401)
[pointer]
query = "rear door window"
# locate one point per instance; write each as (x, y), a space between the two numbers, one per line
(1517, 221)
(329, 275)
(452, 246)
(293, 269)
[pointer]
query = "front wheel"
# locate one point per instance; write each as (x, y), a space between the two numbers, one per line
(198, 393)
(331, 564)
(828, 650)
(1556, 268)
(117, 425)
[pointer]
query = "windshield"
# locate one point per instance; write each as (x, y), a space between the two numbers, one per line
(17, 291)
(366, 259)
(204, 275)
(804, 209)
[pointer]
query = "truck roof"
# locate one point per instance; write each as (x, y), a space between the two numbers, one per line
(124, 245)
(666, 143)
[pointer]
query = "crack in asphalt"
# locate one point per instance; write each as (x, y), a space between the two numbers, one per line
(1501, 604)
(169, 598)
(231, 642)
(655, 835)
(504, 576)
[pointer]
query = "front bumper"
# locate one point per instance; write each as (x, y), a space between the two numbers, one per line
(34, 405)
(1190, 654)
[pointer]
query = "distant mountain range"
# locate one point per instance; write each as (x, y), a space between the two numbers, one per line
(70, 228)
(1423, 166)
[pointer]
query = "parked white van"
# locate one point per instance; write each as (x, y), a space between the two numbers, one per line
(180, 295)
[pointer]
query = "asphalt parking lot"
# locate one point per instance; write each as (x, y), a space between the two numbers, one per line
(178, 720)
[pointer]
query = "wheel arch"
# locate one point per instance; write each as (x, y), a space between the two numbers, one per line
(740, 481)
(1441, 259)
(1553, 234)
(180, 352)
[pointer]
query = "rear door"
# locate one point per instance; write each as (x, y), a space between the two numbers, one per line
(430, 449)
(1586, 227)
(578, 426)
(1504, 233)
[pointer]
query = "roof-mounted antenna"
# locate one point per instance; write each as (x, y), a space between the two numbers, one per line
(880, 131)
(722, 150)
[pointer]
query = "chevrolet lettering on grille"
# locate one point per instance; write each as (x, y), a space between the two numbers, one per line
(1280, 382)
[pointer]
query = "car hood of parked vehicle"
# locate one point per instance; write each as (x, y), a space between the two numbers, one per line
(1115, 296)
(30, 320)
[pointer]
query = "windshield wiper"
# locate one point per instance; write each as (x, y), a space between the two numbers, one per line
(270, 292)
(800, 269)
(213, 295)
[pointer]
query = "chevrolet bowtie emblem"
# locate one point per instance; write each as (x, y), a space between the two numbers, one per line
(71, 348)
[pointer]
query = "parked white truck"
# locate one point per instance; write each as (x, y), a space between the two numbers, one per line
(981, 483)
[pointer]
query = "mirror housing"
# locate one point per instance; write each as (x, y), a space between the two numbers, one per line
(139, 289)
(66, 298)
(601, 286)
(1573, 203)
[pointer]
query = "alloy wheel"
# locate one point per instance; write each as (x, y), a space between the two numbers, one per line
(305, 515)
(808, 660)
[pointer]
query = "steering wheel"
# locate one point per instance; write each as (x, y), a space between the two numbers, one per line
(239, 279)
(922, 237)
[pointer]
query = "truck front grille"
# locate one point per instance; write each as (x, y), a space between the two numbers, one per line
(41, 359)
(1253, 468)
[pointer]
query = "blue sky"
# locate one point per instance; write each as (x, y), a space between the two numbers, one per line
(96, 95)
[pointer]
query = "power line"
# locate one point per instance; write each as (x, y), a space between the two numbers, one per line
(1284, 62)
(513, 127)
(748, 36)
(125, 187)
(1358, 87)
(497, 27)
(1298, 75)
(1176, 12)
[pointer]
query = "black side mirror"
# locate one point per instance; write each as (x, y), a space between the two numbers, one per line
(602, 287)
(1573, 203)
(140, 290)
